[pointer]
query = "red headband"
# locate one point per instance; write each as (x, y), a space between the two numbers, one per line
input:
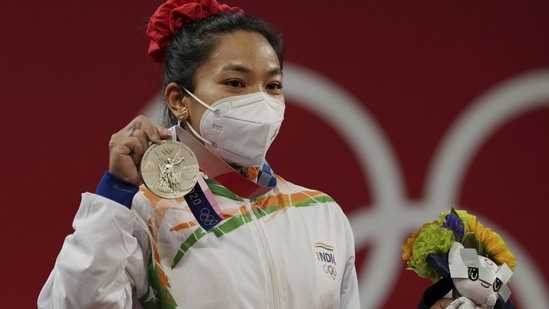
(168, 19)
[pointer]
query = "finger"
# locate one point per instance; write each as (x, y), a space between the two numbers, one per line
(144, 124)
(127, 146)
(164, 133)
(137, 143)
(140, 129)
(137, 149)
(153, 133)
(130, 141)
(132, 148)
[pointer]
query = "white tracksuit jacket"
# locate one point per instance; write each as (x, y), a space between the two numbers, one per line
(290, 248)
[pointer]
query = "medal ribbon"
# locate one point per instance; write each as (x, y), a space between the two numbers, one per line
(200, 199)
(223, 173)
(203, 205)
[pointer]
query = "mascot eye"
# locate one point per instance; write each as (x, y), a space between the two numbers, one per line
(473, 273)
(497, 285)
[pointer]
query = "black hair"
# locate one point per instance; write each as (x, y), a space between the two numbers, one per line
(193, 45)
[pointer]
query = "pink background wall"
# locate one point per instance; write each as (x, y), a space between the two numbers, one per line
(404, 76)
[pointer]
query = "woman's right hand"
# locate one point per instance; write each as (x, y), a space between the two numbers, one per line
(127, 146)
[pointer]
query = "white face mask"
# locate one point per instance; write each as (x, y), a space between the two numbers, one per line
(240, 129)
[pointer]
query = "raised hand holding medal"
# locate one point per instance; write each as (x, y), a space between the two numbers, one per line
(144, 153)
(127, 146)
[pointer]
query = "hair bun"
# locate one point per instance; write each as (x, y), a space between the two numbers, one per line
(169, 17)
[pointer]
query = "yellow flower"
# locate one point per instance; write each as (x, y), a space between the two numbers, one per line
(493, 244)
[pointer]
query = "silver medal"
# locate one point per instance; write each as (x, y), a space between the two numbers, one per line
(169, 169)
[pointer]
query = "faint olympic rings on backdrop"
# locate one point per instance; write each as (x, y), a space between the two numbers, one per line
(357, 127)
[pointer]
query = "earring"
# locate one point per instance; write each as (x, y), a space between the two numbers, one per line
(183, 113)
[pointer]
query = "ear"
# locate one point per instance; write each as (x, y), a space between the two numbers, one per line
(454, 256)
(175, 98)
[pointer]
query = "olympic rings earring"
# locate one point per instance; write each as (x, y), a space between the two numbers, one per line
(183, 113)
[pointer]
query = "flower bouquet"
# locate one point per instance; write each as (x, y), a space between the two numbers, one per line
(468, 262)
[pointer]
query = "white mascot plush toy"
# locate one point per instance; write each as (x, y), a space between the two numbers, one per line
(478, 281)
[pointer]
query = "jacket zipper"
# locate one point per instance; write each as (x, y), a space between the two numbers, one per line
(270, 258)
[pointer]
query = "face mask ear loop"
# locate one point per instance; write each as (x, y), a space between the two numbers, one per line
(196, 133)
(199, 101)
